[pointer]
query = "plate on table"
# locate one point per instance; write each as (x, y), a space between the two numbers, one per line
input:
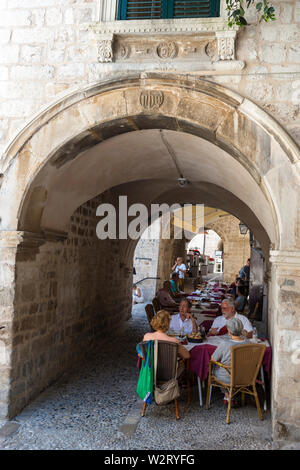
(194, 339)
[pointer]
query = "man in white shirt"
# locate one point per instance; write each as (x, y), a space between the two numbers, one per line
(228, 311)
(183, 321)
(180, 268)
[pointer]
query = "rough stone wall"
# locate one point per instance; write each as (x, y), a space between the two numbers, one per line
(44, 51)
(47, 47)
(236, 246)
(169, 249)
(285, 333)
(67, 297)
(272, 74)
(146, 260)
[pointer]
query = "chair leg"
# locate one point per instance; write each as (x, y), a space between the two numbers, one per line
(144, 409)
(176, 409)
(229, 407)
(200, 391)
(260, 415)
(264, 387)
(208, 394)
(243, 398)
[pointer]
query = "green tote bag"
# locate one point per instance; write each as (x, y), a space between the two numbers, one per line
(145, 383)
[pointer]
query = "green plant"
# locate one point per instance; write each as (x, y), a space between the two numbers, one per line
(236, 11)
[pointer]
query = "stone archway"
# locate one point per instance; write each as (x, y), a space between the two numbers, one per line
(138, 133)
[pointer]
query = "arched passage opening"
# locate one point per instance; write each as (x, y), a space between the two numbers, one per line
(132, 137)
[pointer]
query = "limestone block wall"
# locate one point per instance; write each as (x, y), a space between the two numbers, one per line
(47, 48)
(146, 259)
(169, 249)
(272, 73)
(285, 332)
(236, 246)
(44, 50)
(66, 297)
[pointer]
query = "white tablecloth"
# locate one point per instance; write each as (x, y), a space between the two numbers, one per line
(215, 341)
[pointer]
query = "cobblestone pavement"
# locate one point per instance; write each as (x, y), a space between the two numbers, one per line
(95, 406)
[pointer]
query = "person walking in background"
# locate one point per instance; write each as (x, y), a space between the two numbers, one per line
(180, 268)
(137, 295)
(245, 275)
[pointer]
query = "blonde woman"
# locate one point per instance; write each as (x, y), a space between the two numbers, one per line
(160, 323)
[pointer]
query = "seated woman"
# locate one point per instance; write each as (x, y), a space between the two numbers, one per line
(223, 354)
(137, 295)
(240, 301)
(164, 297)
(175, 292)
(160, 323)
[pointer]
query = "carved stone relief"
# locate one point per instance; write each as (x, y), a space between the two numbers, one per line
(151, 99)
(105, 50)
(124, 51)
(211, 44)
(211, 49)
(226, 48)
(166, 50)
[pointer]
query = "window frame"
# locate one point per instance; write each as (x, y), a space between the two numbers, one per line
(167, 11)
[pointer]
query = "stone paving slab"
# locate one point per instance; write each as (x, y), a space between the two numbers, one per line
(132, 420)
(8, 429)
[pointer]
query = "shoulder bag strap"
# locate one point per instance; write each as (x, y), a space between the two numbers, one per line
(176, 363)
(155, 360)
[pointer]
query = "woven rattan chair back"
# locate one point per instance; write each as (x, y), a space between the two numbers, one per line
(246, 360)
(166, 360)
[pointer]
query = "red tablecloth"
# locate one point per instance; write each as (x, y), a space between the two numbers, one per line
(200, 356)
(207, 324)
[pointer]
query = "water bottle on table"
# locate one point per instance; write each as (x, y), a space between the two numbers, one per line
(255, 335)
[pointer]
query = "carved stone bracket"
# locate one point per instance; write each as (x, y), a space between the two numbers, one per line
(105, 48)
(226, 45)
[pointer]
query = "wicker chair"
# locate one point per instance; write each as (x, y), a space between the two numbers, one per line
(166, 367)
(149, 312)
(246, 360)
(156, 304)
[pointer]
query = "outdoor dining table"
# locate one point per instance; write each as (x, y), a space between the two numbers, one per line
(201, 354)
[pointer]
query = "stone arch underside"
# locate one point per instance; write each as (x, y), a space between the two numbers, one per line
(132, 136)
